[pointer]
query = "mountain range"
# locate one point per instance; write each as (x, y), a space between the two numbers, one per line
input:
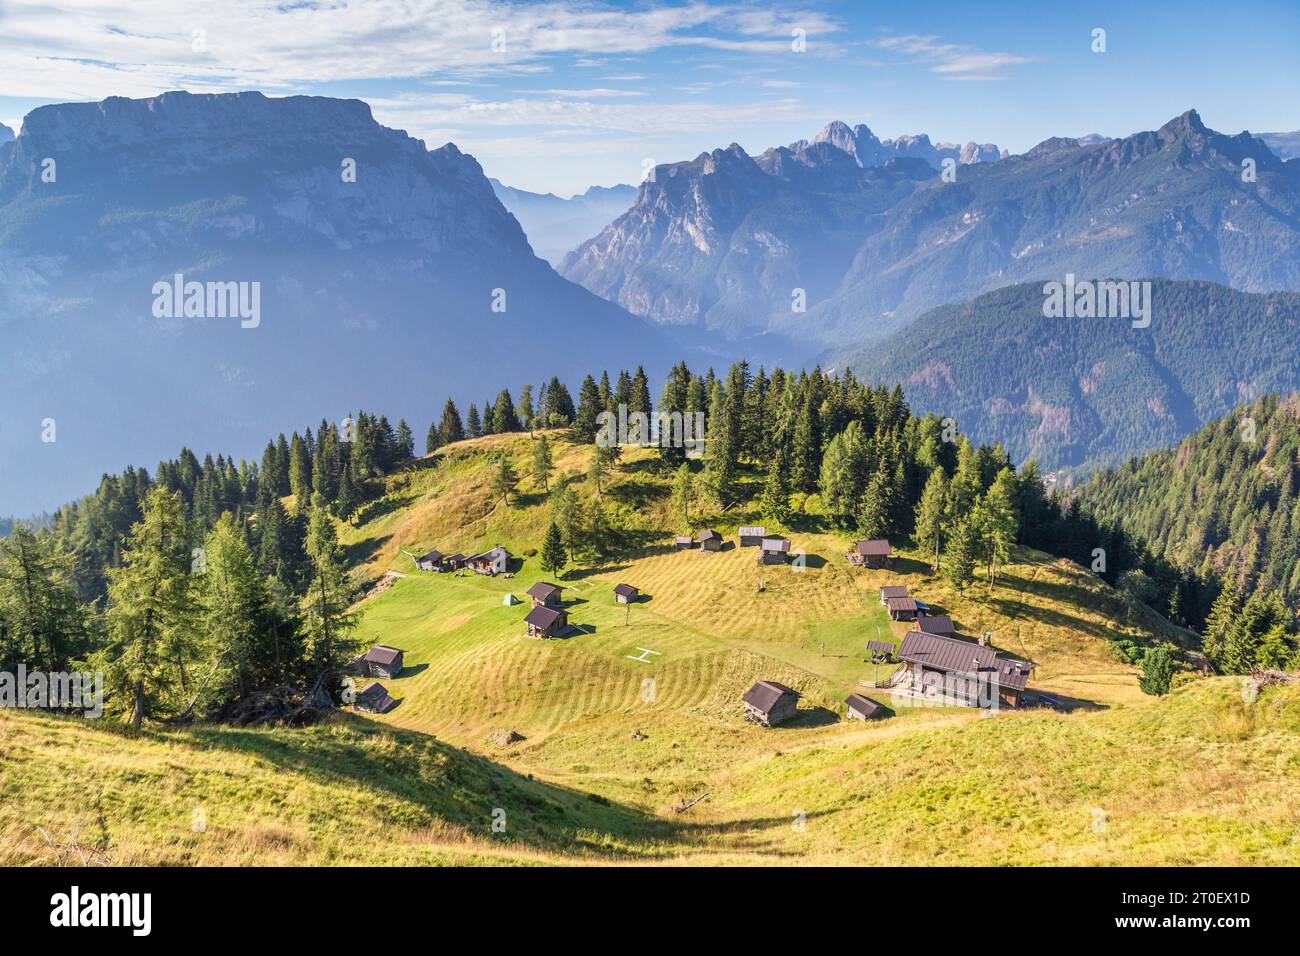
(1078, 392)
(869, 150)
(6, 134)
(554, 225)
(738, 243)
(1284, 145)
(387, 275)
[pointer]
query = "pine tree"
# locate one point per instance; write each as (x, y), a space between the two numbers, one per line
(148, 614)
(959, 555)
(589, 408)
(327, 624)
(404, 442)
(234, 617)
(553, 550)
(41, 620)
(449, 428)
(542, 466)
(931, 515)
(683, 495)
(1157, 672)
(775, 499)
(474, 428)
(504, 418)
(504, 480)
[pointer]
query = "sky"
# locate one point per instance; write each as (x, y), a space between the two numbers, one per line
(560, 95)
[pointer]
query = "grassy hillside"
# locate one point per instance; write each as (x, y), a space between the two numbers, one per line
(614, 747)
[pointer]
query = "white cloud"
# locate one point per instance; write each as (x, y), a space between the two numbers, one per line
(90, 49)
(953, 61)
(598, 93)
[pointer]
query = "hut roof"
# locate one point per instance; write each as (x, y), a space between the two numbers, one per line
(383, 654)
(626, 590)
(709, 535)
(764, 695)
(376, 698)
(435, 556)
(953, 655)
(752, 531)
(863, 705)
(543, 617)
(876, 547)
(776, 544)
(901, 604)
(544, 590)
(893, 591)
(939, 624)
(880, 647)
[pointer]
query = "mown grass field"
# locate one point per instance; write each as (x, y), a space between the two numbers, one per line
(615, 746)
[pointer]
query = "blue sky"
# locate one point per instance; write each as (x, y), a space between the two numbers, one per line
(559, 95)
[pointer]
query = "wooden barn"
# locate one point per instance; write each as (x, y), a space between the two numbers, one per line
(751, 536)
(545, 594)
(431, 561)
(901, 608)
(774, 550)
(491, 562)
(938, 624)
(625, 594)
(768, 703)
(710, 540)
(892, 591)
(546, 621)
(967, 673)
(454, 562)
(380, 661)
(871, 554)
(684, 542)
(375, 700)
(858, 707)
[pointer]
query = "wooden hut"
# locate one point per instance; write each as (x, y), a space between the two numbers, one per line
(684, 542)
(546, 621)
(625, 593)
(938, 624)
(751, 536)
(892, 591)
(901, 608)
(381, 661)
(710, 540)
(431, 561)
(375, 700)
(871, 554)
(774, 550)
(768, 703)
(545, 594)
(858, 707)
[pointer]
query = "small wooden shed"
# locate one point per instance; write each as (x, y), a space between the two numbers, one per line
(546, 621)
(862, 708)
(431, 561)
(768, 703)
(774, 550)
(751, 536)
(871, 554)
(381, 661)
(684, 542)
(710, 540)
(901, 608)
(938, 624)
(893, 591)
(545, 594)
(625, 593)
(375, 700)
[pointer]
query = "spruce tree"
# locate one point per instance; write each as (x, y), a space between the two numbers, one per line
(1157, 672)
(775, 499)
(542, 466)
(450, 428)
(473, 427)
(959, 555)
(327, 624)
(504, 480)
(589, 408)
(931, 515)
(553, 551)
(404, 442)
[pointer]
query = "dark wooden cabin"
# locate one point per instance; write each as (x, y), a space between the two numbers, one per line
(768, 703)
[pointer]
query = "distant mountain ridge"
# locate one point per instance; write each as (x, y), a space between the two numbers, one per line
(389, 276)
(555, 226)
(868, 150)
(737, 243)
(1089, 391)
